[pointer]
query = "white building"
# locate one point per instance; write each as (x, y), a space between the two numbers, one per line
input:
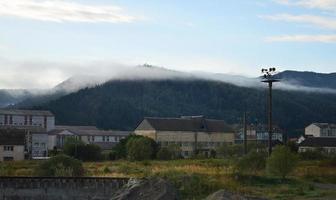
(321, 130)
(88, 134)
(33, 120)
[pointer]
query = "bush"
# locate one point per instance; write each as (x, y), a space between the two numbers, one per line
(79, 150)
(229, 150)
(139, 148)
(316, 154)
(175, 151)
(121, 148)
(164, 154)
(281, 162)
(252, 162)
(60, 165)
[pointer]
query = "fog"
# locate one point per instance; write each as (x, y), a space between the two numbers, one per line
(44, 76)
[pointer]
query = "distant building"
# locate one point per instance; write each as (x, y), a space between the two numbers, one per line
(321, 130)
(259, 133)
(88, 134)
(32, 120)
(12, 144)
(312, 143)
(190, 133)
(39, 145)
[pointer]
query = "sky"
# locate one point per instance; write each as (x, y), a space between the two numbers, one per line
(43, 42)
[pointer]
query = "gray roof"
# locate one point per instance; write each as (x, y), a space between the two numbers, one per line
(318, 142)
(199, 124)
(25, 112)
(88, 130)
(12, 137)
(325, 125)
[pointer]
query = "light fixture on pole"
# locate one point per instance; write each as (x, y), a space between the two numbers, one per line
(268, 77)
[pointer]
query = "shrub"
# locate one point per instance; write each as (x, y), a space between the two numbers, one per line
(121, 148)
(139, 148)
(252, 162)
(175, 151)
(79, 150)
(281, 162)
(316, 154)
(164, 154)
(229, 150)
(60, 165)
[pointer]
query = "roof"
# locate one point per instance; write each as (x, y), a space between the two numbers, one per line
(198, 124)
(318, 142)
(86, 130)
(325, 125)
(25, 112)
(12, 137)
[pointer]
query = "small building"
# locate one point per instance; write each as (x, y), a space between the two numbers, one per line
(106, 139)
(190, 133)
(12, 144)
(314, 143)
(321, 130)
(32, 120)
(259, 133)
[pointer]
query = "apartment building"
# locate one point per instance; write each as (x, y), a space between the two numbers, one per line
(194, 133)
(12, 144)
(32, 120)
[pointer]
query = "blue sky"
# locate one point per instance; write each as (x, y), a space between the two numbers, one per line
(50, 40)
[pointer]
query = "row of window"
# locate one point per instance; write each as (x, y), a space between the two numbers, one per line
(191, 144)
(8, 148)
(105, 138)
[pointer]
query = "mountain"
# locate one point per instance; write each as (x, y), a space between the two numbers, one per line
(122, 104)
(10, 97)
(309, 79)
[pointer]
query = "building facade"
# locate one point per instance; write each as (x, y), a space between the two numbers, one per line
(321, 130)
(88, 134)
(12, 145)
(260, 133)
(33, 120)
(327, 144)
(190, 133)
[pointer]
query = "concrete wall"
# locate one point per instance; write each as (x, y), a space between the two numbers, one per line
(17, 153)
(18, 121)
(28, 188)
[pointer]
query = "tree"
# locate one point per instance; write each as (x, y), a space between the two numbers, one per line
(252, 162)
(175, 151)
(281, 162)
(79, 150)
(139, 148)
(60, 165)
(164, 154)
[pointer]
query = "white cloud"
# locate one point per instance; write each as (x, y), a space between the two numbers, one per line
(324, 22)
(63, 11)
(303, 38)
(328, 5)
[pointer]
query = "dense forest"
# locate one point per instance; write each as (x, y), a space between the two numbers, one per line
(122, 104)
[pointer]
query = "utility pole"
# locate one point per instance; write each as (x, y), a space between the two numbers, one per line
(245, 133)
(269, 79)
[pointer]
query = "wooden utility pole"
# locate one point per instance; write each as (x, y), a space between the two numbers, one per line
(245, 133)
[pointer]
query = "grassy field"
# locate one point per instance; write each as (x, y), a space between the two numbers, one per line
(196, 179)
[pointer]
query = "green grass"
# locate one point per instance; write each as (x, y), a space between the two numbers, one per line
(196, 179)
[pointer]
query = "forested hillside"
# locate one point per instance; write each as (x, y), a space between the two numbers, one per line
(123, 104)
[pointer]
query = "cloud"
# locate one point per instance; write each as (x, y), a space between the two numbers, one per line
(303, 38)
(63, 11)
(324, 22)
(327, 5)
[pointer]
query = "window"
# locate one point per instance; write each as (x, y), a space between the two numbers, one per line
(103, 138)
(43, 145)
(36, 144)
(8, 148)
(108, 138)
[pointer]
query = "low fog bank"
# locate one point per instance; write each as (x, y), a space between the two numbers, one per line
(52, 77)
